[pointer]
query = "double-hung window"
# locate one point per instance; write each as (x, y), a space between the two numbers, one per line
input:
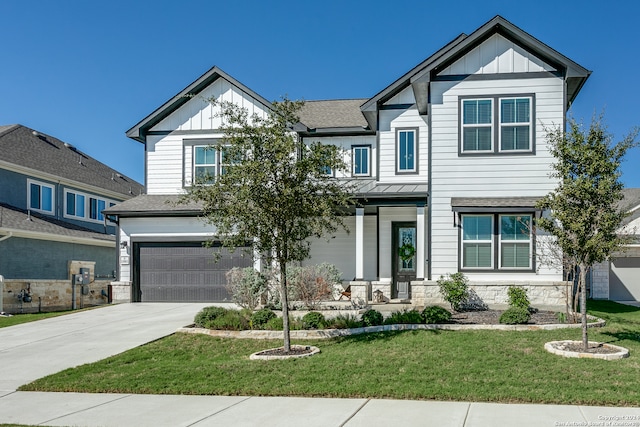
(361, 160)
(477, 241)
(74, 204)
(41, 197)
(205, 165)
(497, 125)
(515, 241)
(406, 150)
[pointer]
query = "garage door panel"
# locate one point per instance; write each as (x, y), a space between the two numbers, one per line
(186, 272)
(624, 279)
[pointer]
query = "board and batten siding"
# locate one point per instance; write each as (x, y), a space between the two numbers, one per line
(345, 143)
(340, 249)
(500, 175)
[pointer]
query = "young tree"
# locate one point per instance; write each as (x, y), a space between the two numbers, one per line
(273, 193)
(584, 214)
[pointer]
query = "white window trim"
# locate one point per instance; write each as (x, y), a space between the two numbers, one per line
(353, 157)
(500, 242)
(415, 151)
(477, 125)
(491, 240)
(87, 206)
(53, 196)
(215, 165)
(529, 123)
(76, 194)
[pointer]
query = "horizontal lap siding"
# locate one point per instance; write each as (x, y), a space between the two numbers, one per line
(345, 143)
(486, 176)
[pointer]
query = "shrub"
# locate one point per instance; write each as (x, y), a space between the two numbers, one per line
(207, 315)
(231, 320)
(515, 316)
(313, 283)
(246, 286)
(404, 317)
(261, 317)
(372, 317)
(518, 297)
(344, 321)
(274, 324)
(313, 320)
(454, 289)
(436, 314)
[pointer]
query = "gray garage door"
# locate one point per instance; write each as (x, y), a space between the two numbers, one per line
(624, 279)
(184, 272)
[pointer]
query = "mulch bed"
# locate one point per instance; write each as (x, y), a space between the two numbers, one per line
(492, 317)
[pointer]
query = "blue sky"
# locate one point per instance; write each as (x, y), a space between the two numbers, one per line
(86, 71)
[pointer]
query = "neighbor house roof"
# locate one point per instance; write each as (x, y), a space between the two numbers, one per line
(338, 114)
(37, 152)
(16, 222)
(154, 204)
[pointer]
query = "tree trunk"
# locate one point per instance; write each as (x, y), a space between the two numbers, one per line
(285, 306)
(582, 285)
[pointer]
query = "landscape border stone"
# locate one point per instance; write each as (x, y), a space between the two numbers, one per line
(621, 353)
(258, 356)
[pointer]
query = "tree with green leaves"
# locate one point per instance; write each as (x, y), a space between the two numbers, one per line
(584, 214)
(274, 193)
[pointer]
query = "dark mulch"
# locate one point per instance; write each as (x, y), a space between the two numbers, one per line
(492, 317)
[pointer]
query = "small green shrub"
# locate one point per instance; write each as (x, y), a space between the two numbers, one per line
(404, 317)
(313, 320)
(515, 316)
(246, 286)
(261, 317)
(454, 289)
(232, 320)
(372, 317)
(518, 297)
(436, 314)
(274, 324)
(207, 315)
(344, 321)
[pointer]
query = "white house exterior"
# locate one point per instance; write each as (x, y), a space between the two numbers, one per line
(450, 159)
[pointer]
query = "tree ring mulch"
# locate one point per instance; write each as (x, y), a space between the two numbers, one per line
(595, 350)
(278, 353)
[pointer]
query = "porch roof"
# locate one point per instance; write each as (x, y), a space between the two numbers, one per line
(372, 189)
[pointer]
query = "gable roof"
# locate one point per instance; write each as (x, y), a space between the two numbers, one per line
(343, 114)
(139, 130)
(420, 76)
(30, 149)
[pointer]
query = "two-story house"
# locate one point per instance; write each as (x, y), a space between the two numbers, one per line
(450, 159)
(51, 200)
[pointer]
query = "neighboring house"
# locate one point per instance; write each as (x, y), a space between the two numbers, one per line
(450, 159)
(51, 201)
(619, 279)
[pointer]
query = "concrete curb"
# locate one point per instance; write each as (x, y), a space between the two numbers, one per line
(334, 333)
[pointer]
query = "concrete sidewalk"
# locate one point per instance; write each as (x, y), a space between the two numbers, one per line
(122, 410)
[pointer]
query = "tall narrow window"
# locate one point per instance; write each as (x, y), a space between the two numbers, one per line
(515, 241)
(477, 132)
(515, 124)
(360, 157)
(477, 241)
(406, 150)
(96, 206)
(204, 164)
(41, 197)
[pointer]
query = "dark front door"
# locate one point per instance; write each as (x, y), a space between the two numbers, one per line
(404, 258)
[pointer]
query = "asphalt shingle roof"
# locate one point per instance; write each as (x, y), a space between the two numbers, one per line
(31, 149)
(340, 113)
(494, 202)
(149, 204)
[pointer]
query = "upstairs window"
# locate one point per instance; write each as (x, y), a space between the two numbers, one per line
(96, 206)
(477, 130)
(41, 197)
(406, 150)
(74, 204)
(361, 159)
(515, 124)
(204, 164)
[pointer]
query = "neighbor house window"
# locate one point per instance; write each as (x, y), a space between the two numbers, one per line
(477, 130)
(96, 206)
(477, 241)
(515, 241)
(204, 164)
(513, 132)
(361, 159)
(41, 197)
(515, 124)
(406, 149)
(74, 204)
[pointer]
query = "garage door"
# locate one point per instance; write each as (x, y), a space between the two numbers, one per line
(624, 279)
(184, 272)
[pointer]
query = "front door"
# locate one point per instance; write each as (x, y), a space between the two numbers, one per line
(404, 258)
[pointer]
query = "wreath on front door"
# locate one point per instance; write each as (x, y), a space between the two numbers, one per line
(406, 252)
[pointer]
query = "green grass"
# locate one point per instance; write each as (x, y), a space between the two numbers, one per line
(444, 365)
(17, 319)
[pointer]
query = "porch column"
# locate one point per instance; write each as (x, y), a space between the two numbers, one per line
(420, 242)
(359, 243)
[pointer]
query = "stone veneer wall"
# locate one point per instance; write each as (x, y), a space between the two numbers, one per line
(120, 292)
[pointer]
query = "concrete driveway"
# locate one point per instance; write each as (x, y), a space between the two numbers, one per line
(32, 350)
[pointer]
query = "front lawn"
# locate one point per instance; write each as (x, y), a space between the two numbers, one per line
(17, 319)
(444, 365)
